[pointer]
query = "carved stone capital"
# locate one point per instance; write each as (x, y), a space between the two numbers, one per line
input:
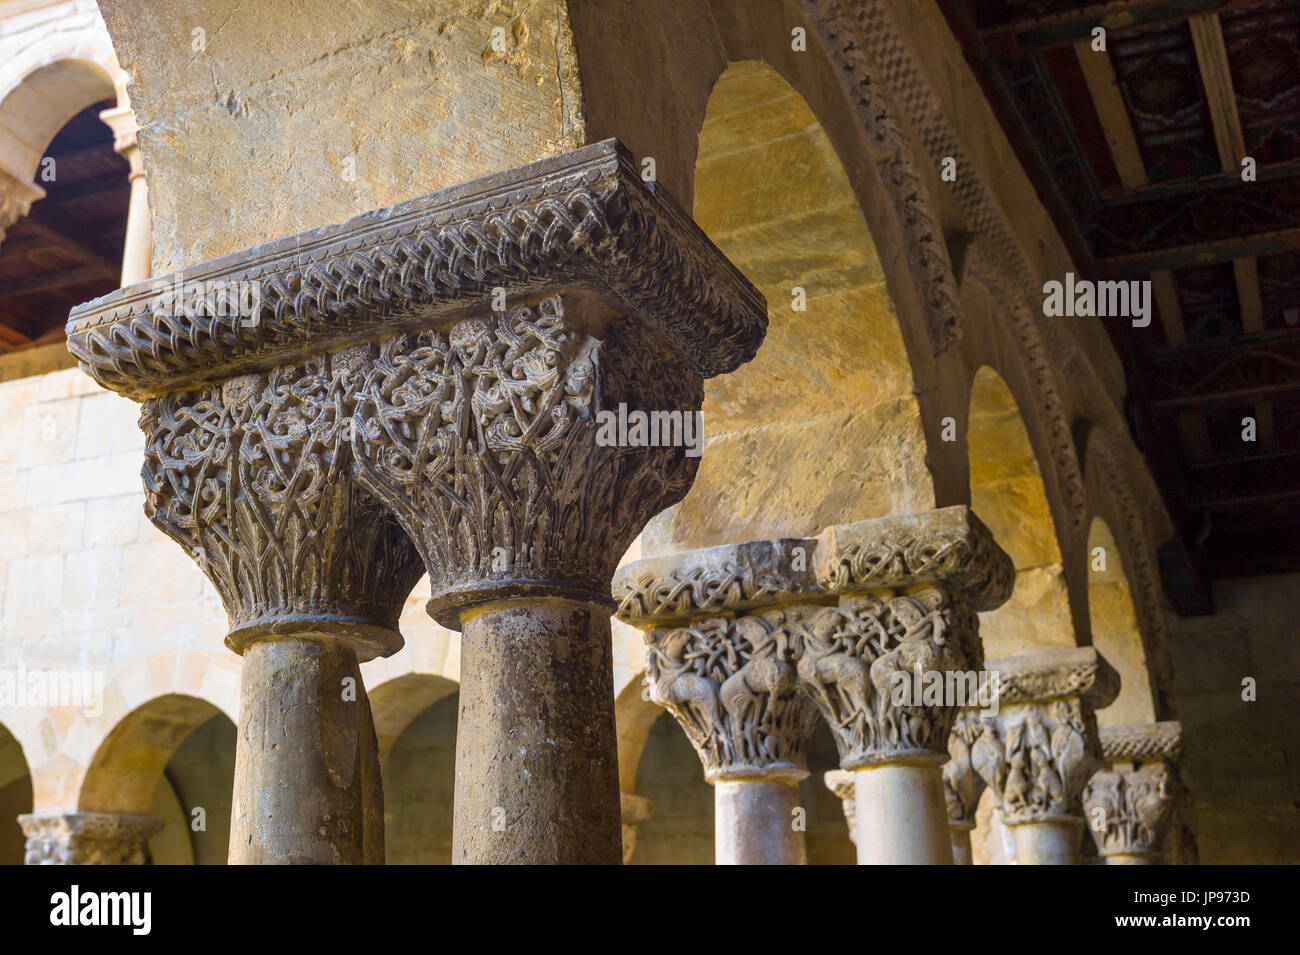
(253, 479)
(486, 442)
(909, 587)
(1040, 749)
(733, 686)
(1128, 810)
(16, 198)
(724, 628)
(962, 783)
(87, 838)
(1129, 804)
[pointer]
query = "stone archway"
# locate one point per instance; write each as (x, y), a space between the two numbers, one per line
(15, 797)
(1007, 493)
(786, 435)
(171, 759)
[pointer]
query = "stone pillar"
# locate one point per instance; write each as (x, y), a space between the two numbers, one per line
(723, 627)
(1039, 750)
(634, 810)
(507, 448)
(962, 785)
(137, 251)
(890, 665)
(1128, 804)
(88, 838)
(253, 479)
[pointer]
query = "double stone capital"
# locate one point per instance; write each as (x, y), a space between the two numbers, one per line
(329, 414)
(743, 638)
(1129, 802)
(748, 644)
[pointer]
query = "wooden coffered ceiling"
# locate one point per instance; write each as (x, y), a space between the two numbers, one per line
(68, 249)
(1137, 154)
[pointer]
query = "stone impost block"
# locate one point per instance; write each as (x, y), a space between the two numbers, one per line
(949, 546)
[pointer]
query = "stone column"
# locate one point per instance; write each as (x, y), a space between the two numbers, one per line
(1128, 804)
(253, 479)
(511, 445)
(634, 810)
(890, 665)
(962, 784)
(1040, 749)
(723, 628)
(137, 252)
(88, 838)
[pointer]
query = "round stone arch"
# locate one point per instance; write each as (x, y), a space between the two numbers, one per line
(15, 797)
(124, 771)
(1007, 492)
(824, 425)
(47, 82)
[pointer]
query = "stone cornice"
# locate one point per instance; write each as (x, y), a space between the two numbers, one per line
(725, 579)
(1056, 674)
(583, 220)
(1141, 742)
(950, 546)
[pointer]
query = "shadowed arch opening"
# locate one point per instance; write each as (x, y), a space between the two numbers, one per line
(1007, 493)
(15, 797)
(172, 758)
(1116, 632)
(822, 427)
(415, 720)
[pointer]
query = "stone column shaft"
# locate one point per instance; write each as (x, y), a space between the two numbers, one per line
(536, 748)
(307, 787)
(137, 250)
(906, 824)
